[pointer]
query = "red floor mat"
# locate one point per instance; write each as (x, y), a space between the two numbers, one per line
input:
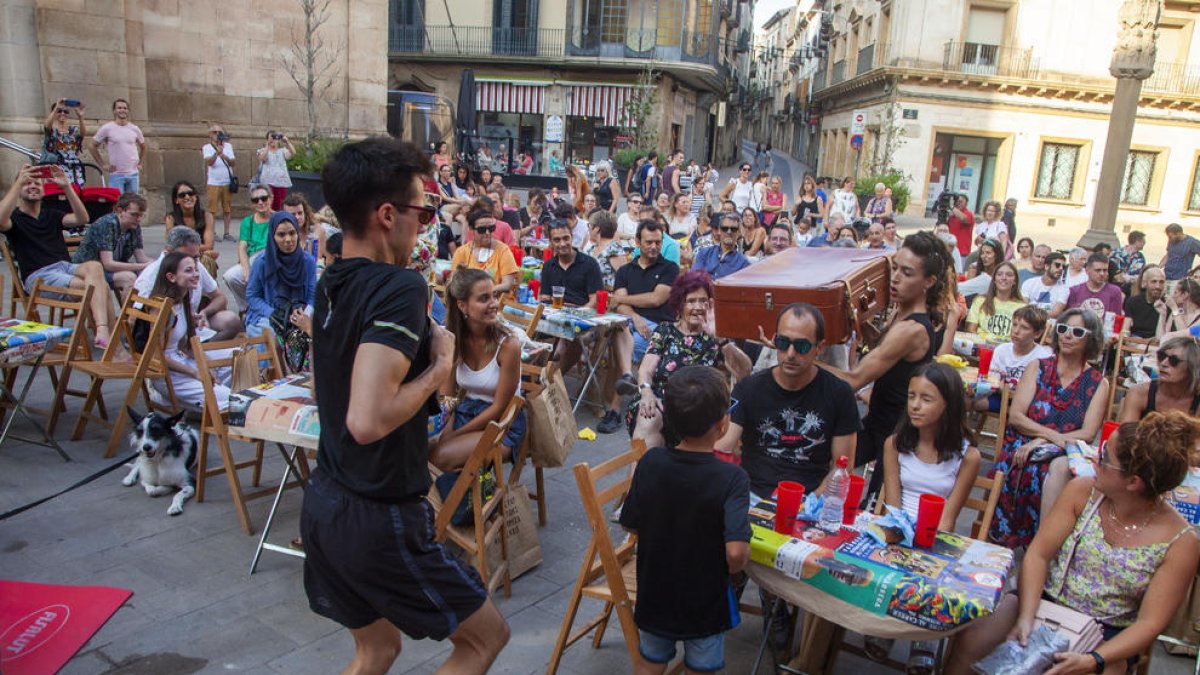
(44, 625)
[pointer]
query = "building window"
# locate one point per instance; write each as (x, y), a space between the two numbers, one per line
(1139, 176)
(1194, 198)
(1056, 174)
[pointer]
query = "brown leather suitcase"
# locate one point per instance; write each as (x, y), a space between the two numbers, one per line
(845, 284)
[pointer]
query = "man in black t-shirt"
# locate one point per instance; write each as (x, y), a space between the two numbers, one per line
(580, 278)
(795, 419)
(371, 563)
(36, 240)
(690, 512)
(1147, 307)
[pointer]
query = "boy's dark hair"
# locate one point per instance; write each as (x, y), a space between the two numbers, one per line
(697, 397)
(333, 245)
(361, 176)
(565, 210)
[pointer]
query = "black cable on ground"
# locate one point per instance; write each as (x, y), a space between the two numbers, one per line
(78, 484)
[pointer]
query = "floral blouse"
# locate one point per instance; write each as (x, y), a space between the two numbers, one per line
(615, 248)
(676, 350)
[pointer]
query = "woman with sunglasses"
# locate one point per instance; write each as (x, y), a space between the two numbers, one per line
(1056, 403)
(908, 342)
(1111, 548)
(1183, 308)
(252, 241)
(1176, 388)
(484, 252)
(186, 211)
(690, 340)
(62, 141)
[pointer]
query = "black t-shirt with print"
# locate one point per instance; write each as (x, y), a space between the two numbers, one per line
(788, 435)
(1144, 315)
(685, 506)
(359, 301)
(37, 242)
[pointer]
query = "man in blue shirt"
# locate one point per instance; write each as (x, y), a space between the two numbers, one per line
(1181, 251)
(726, 258)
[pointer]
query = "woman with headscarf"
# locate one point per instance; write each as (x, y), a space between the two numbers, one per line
(282, 284)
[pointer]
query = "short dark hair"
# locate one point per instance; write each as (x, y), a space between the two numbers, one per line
(333, 245)
(781, 226)
(557, 224)
(1136, 236)
(1097, 258)
(647, 225)
(1033, 315)
(652, 156)
(119, 100)
(697, 398)
(564, 209)
(1174, 228)
(1055, 255)
(364, 175)
(477, 213)
(801, 310)
(128, 198)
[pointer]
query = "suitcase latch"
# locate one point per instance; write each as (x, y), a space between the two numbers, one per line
(770, 300)
(870, 294)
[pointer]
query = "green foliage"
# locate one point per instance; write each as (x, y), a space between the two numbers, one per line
(893, 179)
(625, 157)
(311, 157)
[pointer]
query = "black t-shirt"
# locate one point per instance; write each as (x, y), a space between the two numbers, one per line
(513, 218)
(445, 238)
(360, 301)
(37, 242)
(1145, 317)
(581, 279)
(636, 280)
(788, 435)
(685, 506)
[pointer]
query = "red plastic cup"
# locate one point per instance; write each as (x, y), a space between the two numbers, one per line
(1118, 324)
(1107, 430)
(985, 361)
(929, 514)
(535, 287)
(787, 504)
(601, 302)
(537, 232)
(853, 497)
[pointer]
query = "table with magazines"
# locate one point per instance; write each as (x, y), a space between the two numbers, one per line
(26, 343)
(847, 581)
(579, 323)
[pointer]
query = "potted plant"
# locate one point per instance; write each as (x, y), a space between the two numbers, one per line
(305, 167)
(864, 187)
(623, 162)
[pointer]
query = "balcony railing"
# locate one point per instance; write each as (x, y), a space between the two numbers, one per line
(839, 72)
(975, 58)
(1173, 78)
(866, 59)
(819, 80)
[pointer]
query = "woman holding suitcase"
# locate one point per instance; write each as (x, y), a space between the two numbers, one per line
(918, 284)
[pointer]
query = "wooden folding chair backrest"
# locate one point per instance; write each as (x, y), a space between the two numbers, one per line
(58, 305)
(212, 354)
(1001, 421)
(985, 504)
(17, 292)
(524, 316)
(156, 311)
(1127, 345)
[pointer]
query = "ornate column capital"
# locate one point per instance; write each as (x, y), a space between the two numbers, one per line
(1133, 57)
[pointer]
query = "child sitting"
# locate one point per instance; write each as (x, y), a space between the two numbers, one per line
(1010, 358)
(691, 514)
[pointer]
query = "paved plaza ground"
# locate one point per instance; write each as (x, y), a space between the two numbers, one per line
(195, 609)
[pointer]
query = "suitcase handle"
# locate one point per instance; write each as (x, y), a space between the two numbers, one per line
(870, 294)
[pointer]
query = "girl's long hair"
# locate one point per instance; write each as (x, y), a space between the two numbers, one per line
(989, 298)
(165, 288)
(460, 287)
(952, 429)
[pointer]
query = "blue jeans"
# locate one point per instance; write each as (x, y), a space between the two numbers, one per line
(703, 655)
(641, 344)
(125, 182)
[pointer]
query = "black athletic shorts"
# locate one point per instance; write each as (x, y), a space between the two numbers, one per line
(367, 560)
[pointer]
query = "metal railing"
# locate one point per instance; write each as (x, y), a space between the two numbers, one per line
(975, 58)
(866, 60)
(839, 72)
(1174, 78)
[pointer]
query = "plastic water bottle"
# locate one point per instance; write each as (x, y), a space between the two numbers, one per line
(835, 497)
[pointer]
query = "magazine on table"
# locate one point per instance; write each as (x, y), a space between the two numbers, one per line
(282, 409)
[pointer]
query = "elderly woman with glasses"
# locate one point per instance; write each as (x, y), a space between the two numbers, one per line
(690, 340)
(1058, 402)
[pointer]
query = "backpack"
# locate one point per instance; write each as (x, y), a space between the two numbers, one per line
(639, 178)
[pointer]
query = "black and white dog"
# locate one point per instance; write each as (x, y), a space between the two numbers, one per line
(166, 459)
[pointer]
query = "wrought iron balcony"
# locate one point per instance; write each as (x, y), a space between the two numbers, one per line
(839, 72)
(866, 60)
(975, 58)
(1173, 78)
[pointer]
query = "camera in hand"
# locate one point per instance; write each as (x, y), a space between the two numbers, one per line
(277, 137)
(222, 136)
(945, 203)
(72, 103)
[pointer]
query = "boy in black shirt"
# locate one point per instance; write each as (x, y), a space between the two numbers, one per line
(371, 563)
(690, 511)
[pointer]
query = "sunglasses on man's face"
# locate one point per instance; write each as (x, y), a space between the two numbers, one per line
(801, 345)
(260, 199)
(425, 214)
(744, 168)
(485, 229)
(1169, 359)
(1077, 332)
(729, 229)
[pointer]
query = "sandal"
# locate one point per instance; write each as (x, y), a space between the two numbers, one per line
(98, 343)
(297, 544)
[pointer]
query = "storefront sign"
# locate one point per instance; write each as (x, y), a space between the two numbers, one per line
(910, 113)
(554, 129)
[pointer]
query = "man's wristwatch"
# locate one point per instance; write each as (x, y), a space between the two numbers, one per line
(1100, 663)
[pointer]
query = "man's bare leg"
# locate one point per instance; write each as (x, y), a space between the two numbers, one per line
(376, 647)
(477, 642)
(92, 274)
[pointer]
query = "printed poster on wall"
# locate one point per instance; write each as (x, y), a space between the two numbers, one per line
(554, 129)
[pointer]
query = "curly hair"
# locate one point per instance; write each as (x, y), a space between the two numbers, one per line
(935, 259)
(1157, 449)
(685, 284)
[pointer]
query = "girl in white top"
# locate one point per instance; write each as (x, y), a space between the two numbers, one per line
(274, 172)
(680, 220)
(930, 453)
(488, 371)
(845, 201)
(178, 277)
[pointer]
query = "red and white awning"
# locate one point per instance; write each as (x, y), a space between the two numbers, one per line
(510, 98)
(600, 100)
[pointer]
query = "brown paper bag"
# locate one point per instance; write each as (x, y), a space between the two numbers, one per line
(1186, 624)
(244, 367)
(524, 548)
(552, 429)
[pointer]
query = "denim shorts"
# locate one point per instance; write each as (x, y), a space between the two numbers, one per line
(703, 655)
(469, 408)
(56, 274)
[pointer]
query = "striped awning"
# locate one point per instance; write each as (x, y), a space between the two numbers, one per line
(601, 100)
(510, 98)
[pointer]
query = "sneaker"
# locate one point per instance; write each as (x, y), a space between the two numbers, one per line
(626, 385)
(229, 237)
(610, 422)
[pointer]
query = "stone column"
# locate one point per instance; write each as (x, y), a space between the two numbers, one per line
(1132, 62)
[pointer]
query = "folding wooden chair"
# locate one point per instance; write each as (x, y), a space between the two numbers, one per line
(612, 578)
(532, 379)
(215, 422)
(523, 316)
(143, 365)
(489, 516)
(1001, 419)
(63, 306)
(16, 292)
(1127, 345)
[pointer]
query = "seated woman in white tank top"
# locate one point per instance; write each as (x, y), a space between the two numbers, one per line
(488, 370)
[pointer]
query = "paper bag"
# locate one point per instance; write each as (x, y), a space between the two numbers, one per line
(524, 548)
(1185, 627)
(551, 422)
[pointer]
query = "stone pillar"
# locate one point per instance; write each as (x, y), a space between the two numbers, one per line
(1132, 62)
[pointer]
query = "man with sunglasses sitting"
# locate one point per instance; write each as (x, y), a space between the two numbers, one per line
(1045, 291)
(793, 421)
(727, 257)
(252, 240)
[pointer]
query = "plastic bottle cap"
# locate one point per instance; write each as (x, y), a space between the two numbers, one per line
(843, 462)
